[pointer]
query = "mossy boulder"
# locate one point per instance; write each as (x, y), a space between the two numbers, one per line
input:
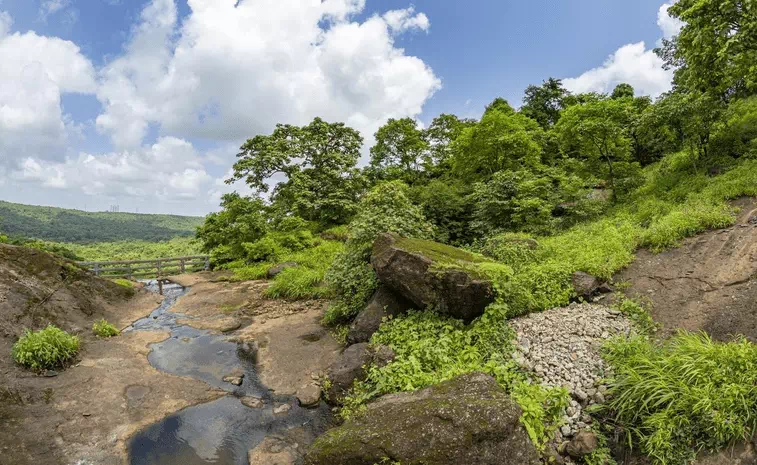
(467, 420)
(431, 274)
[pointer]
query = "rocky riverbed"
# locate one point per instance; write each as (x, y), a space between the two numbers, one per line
(561, 347)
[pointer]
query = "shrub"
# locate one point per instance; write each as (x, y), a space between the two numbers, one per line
(297, 283)
(124, 283)
(682, 395)
(262, 250)
(104, 329)
(45, 349)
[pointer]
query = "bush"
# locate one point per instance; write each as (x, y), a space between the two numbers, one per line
(297, 283)
(683, 395)
(48, 348)
(104, 329)
(124, 283)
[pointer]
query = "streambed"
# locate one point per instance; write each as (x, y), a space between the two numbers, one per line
(223, 431)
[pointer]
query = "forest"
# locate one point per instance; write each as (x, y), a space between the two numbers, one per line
(564, 183)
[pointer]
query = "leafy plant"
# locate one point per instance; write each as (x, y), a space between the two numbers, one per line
(47, 348)
(104, 329)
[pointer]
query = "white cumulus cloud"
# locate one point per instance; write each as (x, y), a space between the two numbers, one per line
(670, 26)
(35, 71)
(234, 69)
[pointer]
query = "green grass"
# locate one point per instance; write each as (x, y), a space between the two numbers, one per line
(123, 283)
(45, 349)
(135, 249)
(302, 282)
(104, 329)
(683, 395)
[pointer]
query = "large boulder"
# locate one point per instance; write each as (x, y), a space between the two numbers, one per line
(468, 420)
(432, 274)
(384, 303)
(351, 366)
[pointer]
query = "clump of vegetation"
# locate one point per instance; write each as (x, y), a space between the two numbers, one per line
(104, 329)
(45, 349)
(124, 283)
(683, 395)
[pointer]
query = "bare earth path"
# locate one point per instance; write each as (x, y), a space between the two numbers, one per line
(709, 283)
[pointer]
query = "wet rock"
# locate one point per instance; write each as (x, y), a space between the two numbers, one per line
(384, 303)
(309, 396)
(582, 444)
(252, 402)
(586, 285)
(248, 350)
(274, 451)
(235, 377)
(467, 420)
(282, 409)
(419, 271)
(350, 366)
(275, 270)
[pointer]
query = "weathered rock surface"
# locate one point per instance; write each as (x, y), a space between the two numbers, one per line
(309, 396)
(275, 270)
(561, 347)
(742, 453)
(252, 402)
(468, 420)
(351, 365)
(582, 445)
(384, 303)
(274, 451)
(588, 286)
(420, 271)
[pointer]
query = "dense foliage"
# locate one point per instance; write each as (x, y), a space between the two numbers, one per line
(47, 348)
(61, 225)
(569, 182)
(102, 328)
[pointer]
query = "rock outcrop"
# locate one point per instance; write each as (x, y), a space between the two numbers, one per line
(467, 420)
(384, 303)
(432, 274)
(587, 286)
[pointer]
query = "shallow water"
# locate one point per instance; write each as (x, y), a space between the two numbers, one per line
(219, 432)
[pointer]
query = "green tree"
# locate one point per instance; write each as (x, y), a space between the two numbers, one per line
(241, 220)
(544, 103)
(716, 50)
(440, 135)
(502, 140)
(400, 151)
(597, 131)
(623, 91)
(319, 163)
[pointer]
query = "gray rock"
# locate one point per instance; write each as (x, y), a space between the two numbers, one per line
(252, 402)
(309, 396)
(350, 366)
(274, 451)
(282, 409)
(467, 420)
(382, 355)
(585, 285)
(409, 270)
(384, 303)
(275, 270)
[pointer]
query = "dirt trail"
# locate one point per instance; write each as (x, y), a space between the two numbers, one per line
(709, 283)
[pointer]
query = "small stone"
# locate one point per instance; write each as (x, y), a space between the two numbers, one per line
(599, 398)
(282, 409)
(565, 430)
(582, 445)
(309, 396)
(235, 380)
(252, 402)
(580, 395)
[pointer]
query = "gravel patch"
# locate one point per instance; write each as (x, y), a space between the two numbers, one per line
(561, 347)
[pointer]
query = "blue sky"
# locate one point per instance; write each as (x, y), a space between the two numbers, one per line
(143, 104)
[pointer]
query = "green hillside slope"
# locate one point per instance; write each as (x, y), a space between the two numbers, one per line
(63, 225)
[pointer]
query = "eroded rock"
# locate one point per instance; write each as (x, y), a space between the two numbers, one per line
(583, 444)
(467, 420)
(351, 366)
(588, 286)
(252, 402)
(384, 303)
(309, 396)
(432, 274)
(273, 451)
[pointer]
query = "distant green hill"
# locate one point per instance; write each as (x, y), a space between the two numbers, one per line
(63, 225)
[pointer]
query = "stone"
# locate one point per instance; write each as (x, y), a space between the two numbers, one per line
(252, 402)
(282, 409)
(585, 285)
(426, 273)
(275, 270)
(382, 355)
(248, 350)
(235, 380)
(583, 444)
(467, 420)
(346, 369)
(273, 451)
(384, 303)
(309, 396)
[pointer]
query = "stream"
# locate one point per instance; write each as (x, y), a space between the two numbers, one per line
(222, 431)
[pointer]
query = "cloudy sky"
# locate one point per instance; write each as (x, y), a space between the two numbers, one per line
(144, 103)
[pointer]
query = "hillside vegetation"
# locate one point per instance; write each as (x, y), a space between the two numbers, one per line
(76, 226)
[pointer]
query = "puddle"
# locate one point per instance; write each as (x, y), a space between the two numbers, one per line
(219, 432)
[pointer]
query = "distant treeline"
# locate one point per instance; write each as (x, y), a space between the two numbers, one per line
(63, 225)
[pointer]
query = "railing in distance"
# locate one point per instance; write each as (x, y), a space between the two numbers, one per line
(157, 267)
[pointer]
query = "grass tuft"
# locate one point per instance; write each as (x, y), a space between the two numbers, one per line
(104, 329)
(45, 349)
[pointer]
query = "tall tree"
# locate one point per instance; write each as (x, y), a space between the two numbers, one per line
(440, 134)
(623, 90)
(319, 163)
(544, 103)
(716, 50)
(399, 151)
